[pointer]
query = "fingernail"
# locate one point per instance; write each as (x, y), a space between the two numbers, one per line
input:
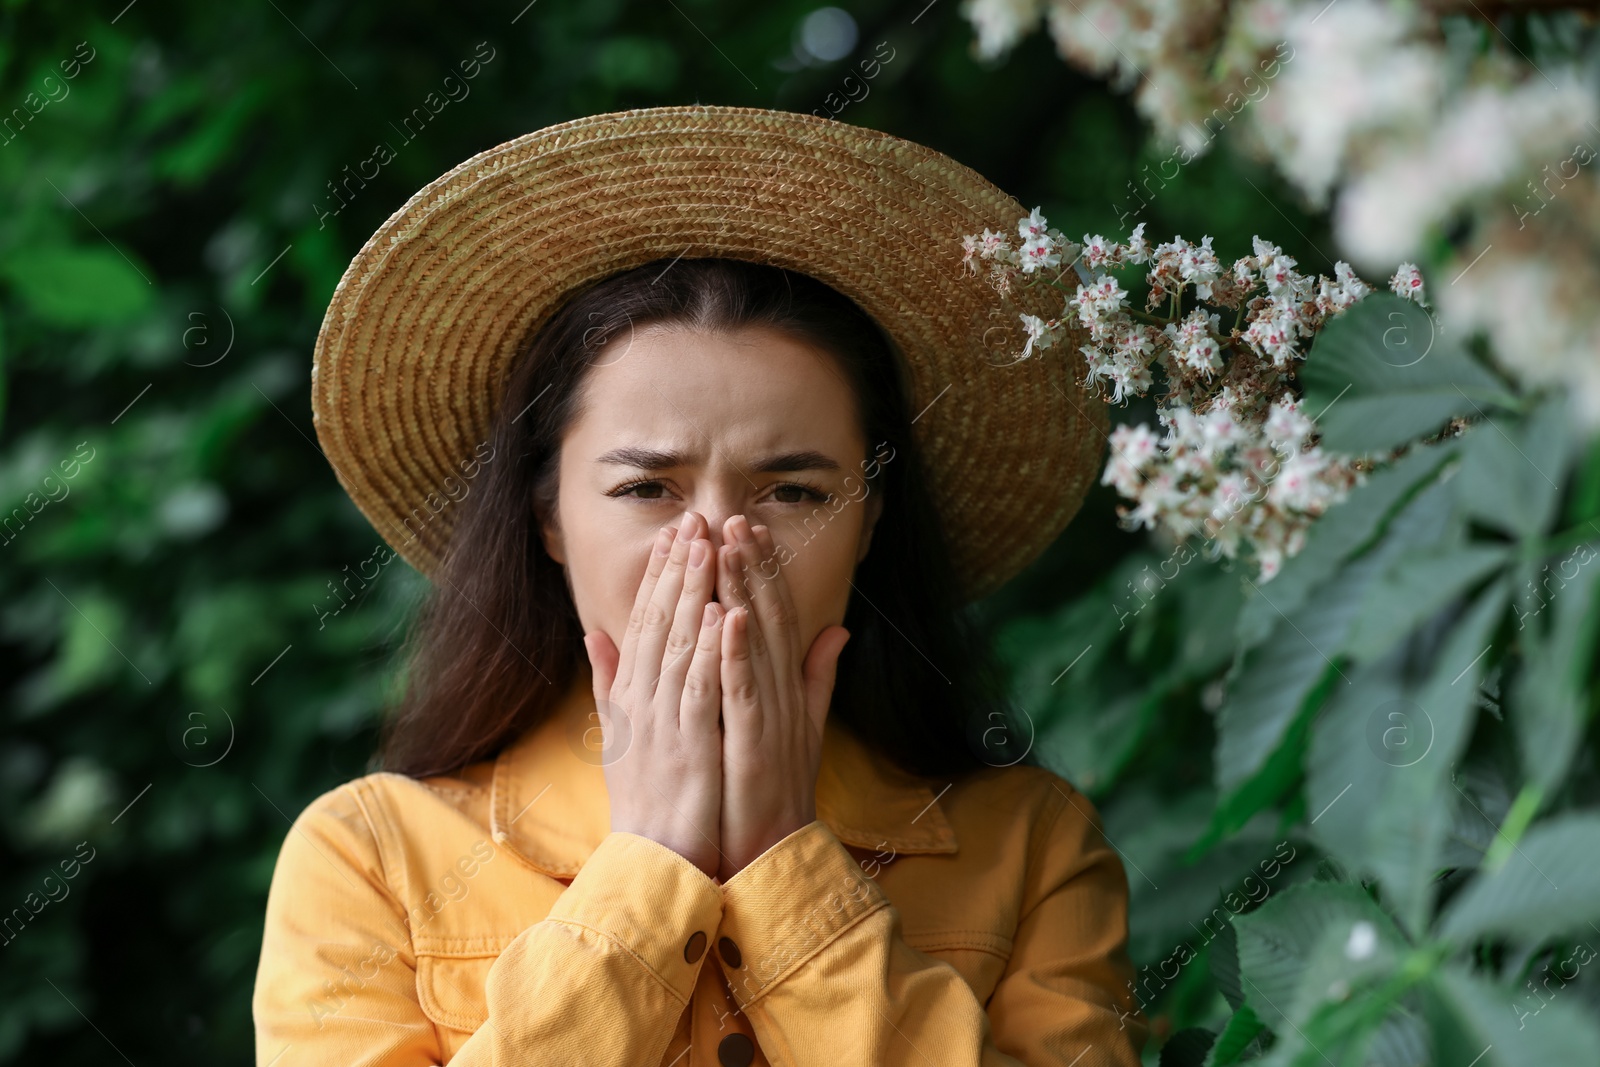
(758, 530)
(663, 541)
(697, 553)
(742, 530)
(709, 618)
(683, 528)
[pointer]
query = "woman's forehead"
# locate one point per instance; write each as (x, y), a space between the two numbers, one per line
(760, 391)
(764, 462)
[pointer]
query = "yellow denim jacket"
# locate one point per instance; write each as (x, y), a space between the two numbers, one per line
(492, 917)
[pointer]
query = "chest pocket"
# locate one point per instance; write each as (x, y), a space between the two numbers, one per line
(451, 989)
(979, 956)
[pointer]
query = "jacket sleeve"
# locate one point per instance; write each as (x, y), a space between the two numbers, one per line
(826, 977)
(603, 978)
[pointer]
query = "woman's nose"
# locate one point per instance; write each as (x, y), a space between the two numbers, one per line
(714, 518)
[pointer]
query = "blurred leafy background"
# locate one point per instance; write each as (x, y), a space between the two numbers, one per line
(167, 249)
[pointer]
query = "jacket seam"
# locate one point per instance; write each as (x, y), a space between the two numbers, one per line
(968, 946)
(975, 940)
(1044, 836)
(428, 995)
(629, 949)
(789, 971)
(909, 846)
(1026, 907)
(1039, 847)
(375, 813)
(368, 806)
(463, 947)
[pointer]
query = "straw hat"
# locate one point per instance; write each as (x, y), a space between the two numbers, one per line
(433, 309)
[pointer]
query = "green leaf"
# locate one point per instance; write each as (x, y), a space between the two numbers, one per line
(1401, 1040)
(1405, 837)
(202, 150)
(4, 379)
(1304, 942)
(1225, 965)
(1512, 470)
(1187, 1047)
(80, 797)
(1413, 590)
(1268, 714)
(1186, 902)
(178, 98)
(1584, 503)
(1269, 695)
(1550, 692)
(1345, 529)
(1086, 718)
(1478, 1023)
(1378, 778)
(78, 286)
(1272, 786)
(93, 625)
(1209, 611)
(636, 63)
(1550, 885)
(1270, 684)
(1243, 1028)
(1365, 1023)
(1345, 777)
(1380, 375)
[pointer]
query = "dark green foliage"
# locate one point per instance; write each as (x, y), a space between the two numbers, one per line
(190, 653)
(190, 656)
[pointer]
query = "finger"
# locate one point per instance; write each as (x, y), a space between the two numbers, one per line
(730, 572)
(730, 577)
(743, 582)
(702, 686)
(641, 600)
(698, 578)
(741, 694)
(780, 588)
(603, 656)
(656, 621)
(821, 671)
(771, 645)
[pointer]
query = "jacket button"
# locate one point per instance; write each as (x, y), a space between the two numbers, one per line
(696, 945)
(729, 951)
(735, 1050)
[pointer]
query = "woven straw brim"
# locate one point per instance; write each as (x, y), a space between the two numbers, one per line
(431, 312)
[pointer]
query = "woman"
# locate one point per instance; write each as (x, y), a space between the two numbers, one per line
(760, 814)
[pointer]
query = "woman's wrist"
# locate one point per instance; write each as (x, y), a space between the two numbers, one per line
(732, 864)
(693, 848)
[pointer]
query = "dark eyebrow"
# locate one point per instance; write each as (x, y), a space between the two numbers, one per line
(650, 459)
(806, 460)
(656, 459)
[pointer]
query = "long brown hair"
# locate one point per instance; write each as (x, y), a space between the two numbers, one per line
(497, 641)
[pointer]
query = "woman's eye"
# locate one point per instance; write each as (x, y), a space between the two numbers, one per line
(791, 493)
(642, 490)
(786, 493)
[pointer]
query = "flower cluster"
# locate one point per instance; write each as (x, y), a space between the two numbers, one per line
(1374, 112)
(1237, 461)
(1208, 475)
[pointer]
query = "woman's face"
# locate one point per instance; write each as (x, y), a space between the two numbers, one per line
(751, 422)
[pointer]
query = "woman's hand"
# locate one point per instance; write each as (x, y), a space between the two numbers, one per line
(659, 698)
(774, 703)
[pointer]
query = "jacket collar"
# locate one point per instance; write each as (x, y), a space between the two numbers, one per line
(549, 803)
